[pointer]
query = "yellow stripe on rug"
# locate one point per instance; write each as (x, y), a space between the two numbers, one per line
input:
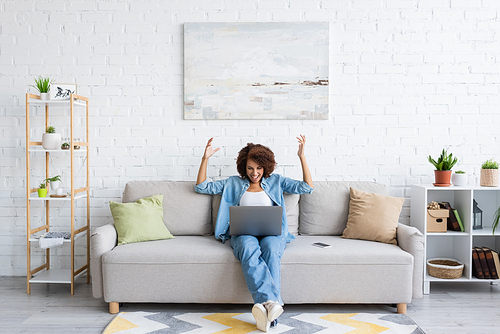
(119, 324)
(361, 327)
(236, 326)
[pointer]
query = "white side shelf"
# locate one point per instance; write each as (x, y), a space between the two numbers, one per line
(55, 276)
(57, 102)
(78, 236)
(39, 149)
(451, 244)
(34, 197)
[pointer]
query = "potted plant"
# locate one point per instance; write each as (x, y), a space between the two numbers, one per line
(54, 182)
(51, 140)
(65, 144)
(43, 86)
(489, 174)
(459, 178)
(42, 190)
(443, 166)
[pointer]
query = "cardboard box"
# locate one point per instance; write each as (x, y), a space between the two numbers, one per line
(437, 220)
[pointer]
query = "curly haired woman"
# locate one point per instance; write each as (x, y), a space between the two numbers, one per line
(260, 257)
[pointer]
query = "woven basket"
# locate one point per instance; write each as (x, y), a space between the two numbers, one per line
(445, 268)
(489, 177)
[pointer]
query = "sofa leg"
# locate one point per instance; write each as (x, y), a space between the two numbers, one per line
(114, 307)
(401, 308)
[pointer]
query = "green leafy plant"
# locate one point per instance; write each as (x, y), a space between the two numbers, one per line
(489, 164)
(53, 179)
(459, 172)
(43, 185)
(445, 161)
(51, 129)
(496, 218)
(42, 84)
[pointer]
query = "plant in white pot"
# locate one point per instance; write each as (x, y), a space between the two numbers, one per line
(54, 182)
(51, 140)
(43, 86)
(489, 174)
(459, 178)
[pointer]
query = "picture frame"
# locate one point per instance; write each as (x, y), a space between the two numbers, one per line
(62, 91)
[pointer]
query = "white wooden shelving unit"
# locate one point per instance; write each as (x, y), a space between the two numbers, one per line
(44, 273)
(456, 245)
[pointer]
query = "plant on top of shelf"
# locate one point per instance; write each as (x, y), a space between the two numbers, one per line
(459, 178)
(489, 173)
(51, 129)
(443, 166)
(43, 86)
(445, 161)
(489, 164)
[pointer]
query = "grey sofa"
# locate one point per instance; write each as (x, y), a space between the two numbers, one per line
(196, 268)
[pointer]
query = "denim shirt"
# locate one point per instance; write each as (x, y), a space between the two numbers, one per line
(234, 187)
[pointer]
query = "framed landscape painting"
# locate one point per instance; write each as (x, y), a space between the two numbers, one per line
(256, 70)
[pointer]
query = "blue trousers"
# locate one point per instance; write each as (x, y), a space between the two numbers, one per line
(260, 259)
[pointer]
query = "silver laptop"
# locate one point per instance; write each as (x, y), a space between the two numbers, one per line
(255, 220)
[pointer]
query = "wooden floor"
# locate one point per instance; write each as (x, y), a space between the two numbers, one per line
(457, 308)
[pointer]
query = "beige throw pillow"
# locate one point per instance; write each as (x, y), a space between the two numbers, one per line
(373, 217)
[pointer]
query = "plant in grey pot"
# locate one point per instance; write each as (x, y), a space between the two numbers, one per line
(443, 166)
(489, 174)
(43, 86)
(51, 140)
(459, 178)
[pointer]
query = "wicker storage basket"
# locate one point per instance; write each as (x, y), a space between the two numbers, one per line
(445, 268)
(489, 177)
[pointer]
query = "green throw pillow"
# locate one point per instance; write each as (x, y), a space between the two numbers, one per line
(140, 221)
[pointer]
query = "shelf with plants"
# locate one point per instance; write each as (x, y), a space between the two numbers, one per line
(73, 193)
(453, 244)
(450, 244)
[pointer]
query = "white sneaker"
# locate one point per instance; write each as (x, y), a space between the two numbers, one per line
(274, 310)
(259, 312)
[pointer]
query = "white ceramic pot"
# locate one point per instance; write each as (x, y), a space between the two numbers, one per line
(45, 96)
(51, 141)
(54, 185)
(459, 180)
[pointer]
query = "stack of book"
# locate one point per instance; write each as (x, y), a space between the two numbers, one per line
(485, 263)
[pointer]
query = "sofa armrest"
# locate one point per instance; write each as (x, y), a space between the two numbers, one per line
(411, 240)
(102, 240)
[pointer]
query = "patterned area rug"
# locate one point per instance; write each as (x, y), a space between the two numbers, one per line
(242, 323)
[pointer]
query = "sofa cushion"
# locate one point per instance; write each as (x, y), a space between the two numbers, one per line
(373, 217)
(139, 221)
(325, 211)
(185, 212)
(349, 271)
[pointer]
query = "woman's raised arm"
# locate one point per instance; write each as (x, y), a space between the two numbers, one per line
(209, 151)
(305, 168)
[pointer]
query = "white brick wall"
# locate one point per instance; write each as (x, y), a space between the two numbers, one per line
(408, 77)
